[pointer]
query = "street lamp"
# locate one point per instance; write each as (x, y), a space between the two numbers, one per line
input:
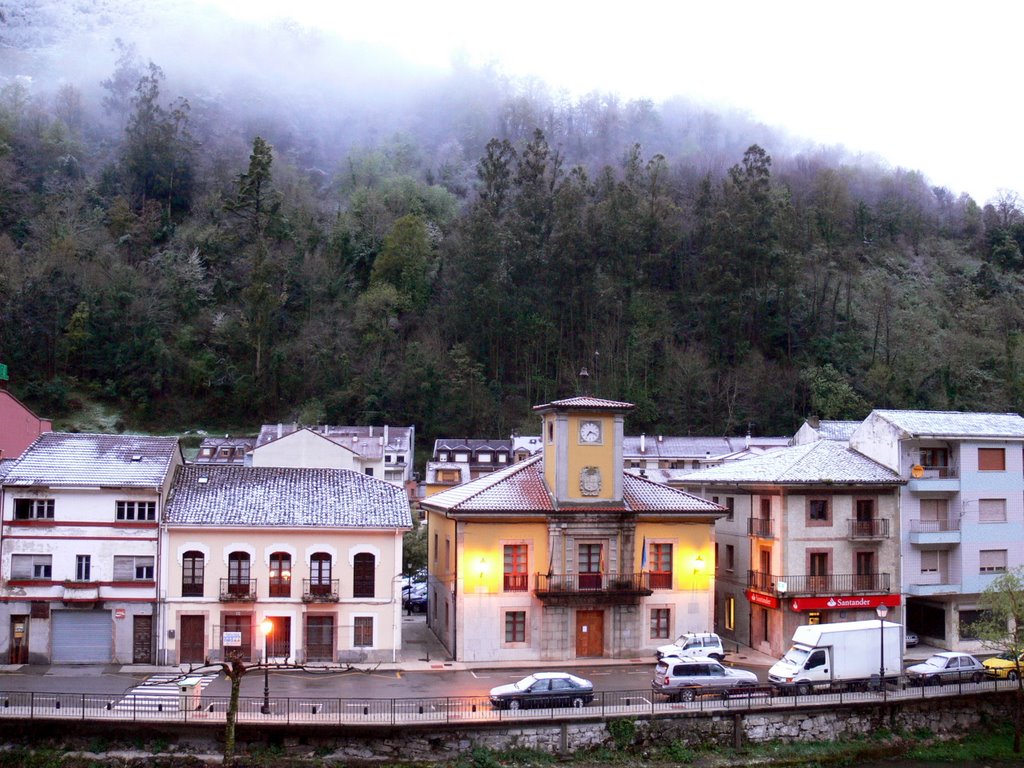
(881, 611)
(268, 627)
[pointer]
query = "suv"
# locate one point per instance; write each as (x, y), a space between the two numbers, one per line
(685, 679)
(694, 644)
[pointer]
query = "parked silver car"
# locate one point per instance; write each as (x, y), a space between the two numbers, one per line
(946, 667)
(686, 679)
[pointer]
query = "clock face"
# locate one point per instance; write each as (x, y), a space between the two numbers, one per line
(590, 431)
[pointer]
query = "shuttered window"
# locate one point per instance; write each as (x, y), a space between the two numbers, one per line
(138, 568)
(363, 567)
(992, 510)
(992, 459)
(31, 567)
(992, 560)
(362, 631)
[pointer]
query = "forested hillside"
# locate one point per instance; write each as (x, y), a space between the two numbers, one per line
(455, 253)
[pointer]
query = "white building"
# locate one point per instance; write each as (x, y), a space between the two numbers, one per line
(961, 510)
(80, 553)
(317, 552)
(384, 452)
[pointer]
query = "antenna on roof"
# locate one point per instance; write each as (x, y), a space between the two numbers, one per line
(584, 376)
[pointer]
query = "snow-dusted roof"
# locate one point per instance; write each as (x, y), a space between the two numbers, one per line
(585, 403)
(695, 446)
(837, 430)
(285, 497)
(368, 441)
(955, 424)
(823, 461)
(471, 444)
(5, 466)
(63, 458)
(521, 488)
(433, 467)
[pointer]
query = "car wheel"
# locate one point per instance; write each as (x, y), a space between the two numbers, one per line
(717, 656)
(578, 703)
(932, 681)
(803, 689)
(514, 704)
(977, 677)
(686, 694)
(1011, 675)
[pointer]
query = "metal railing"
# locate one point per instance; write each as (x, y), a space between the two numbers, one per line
(576, 583)
(936, 471)
(320, 591)
(935, 525)
(196, 708)
(869, 529)
(826, 584)
(232, 590)
(761, 527)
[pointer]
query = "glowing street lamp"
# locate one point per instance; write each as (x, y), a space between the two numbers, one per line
(881, 611)
(268, 627)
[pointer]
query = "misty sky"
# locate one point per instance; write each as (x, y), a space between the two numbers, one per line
(925, 85)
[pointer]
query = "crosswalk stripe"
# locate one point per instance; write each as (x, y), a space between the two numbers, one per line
(160, 693)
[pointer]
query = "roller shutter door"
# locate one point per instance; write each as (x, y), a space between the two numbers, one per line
(82, 637)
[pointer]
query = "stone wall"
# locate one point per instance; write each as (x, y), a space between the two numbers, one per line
(952, 716)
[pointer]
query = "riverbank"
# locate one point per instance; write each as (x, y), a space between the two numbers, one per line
(881, 750)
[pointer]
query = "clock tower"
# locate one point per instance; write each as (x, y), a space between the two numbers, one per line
(582, 449)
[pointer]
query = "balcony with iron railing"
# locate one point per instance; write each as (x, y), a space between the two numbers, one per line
(516, 582)
(238, 590)
(592, 588)
(869, 529)
(761, 527)
(806, 585)
(926, 478)
(320, 590)
(934, 531)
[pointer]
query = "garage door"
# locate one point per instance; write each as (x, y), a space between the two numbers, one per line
(82, 637)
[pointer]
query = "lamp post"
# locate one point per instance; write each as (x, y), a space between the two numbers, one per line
(268, 627)
(881, 611)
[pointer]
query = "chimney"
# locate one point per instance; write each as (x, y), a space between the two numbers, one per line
(280, 429)
(643, 442)
(371, 430)
(660, 438)
(385, 434)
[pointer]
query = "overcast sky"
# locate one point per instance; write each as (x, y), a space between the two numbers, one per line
(925, 85)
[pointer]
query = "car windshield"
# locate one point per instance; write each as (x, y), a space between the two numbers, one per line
(795, 656)
(525, 683)
(936, 661)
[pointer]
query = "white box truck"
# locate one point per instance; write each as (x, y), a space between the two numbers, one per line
(838, 656)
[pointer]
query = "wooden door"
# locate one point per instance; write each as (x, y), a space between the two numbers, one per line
(142, 639)
(19, 640)
(319, 638)
(589, 633)
(279, 641)
(192, 646)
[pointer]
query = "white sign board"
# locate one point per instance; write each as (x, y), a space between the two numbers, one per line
(233, 639)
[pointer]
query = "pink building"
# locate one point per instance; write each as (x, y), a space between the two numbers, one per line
(18, 426)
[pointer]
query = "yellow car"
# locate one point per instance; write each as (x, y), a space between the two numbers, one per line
(1004, 667)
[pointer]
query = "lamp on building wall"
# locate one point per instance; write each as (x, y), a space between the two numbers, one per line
(698, 564)
(483, 568)
(268, 628)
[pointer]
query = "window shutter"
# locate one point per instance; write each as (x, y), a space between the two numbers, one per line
(124, 569)
(21, 566)
(992, 510)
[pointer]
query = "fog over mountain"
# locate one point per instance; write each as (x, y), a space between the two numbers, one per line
(207, 220)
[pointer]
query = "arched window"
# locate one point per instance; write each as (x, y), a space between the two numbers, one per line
(192, 567)
(363, 575)
(280, 574)
(238, 573)
(320, 574)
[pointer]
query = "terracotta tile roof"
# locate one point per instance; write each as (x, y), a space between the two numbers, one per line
(955, 424)
(823, 461)
(286, 497)
(63, 458)
(585, 403)
(521, 488)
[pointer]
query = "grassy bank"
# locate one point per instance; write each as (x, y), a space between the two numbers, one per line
(883, 748)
